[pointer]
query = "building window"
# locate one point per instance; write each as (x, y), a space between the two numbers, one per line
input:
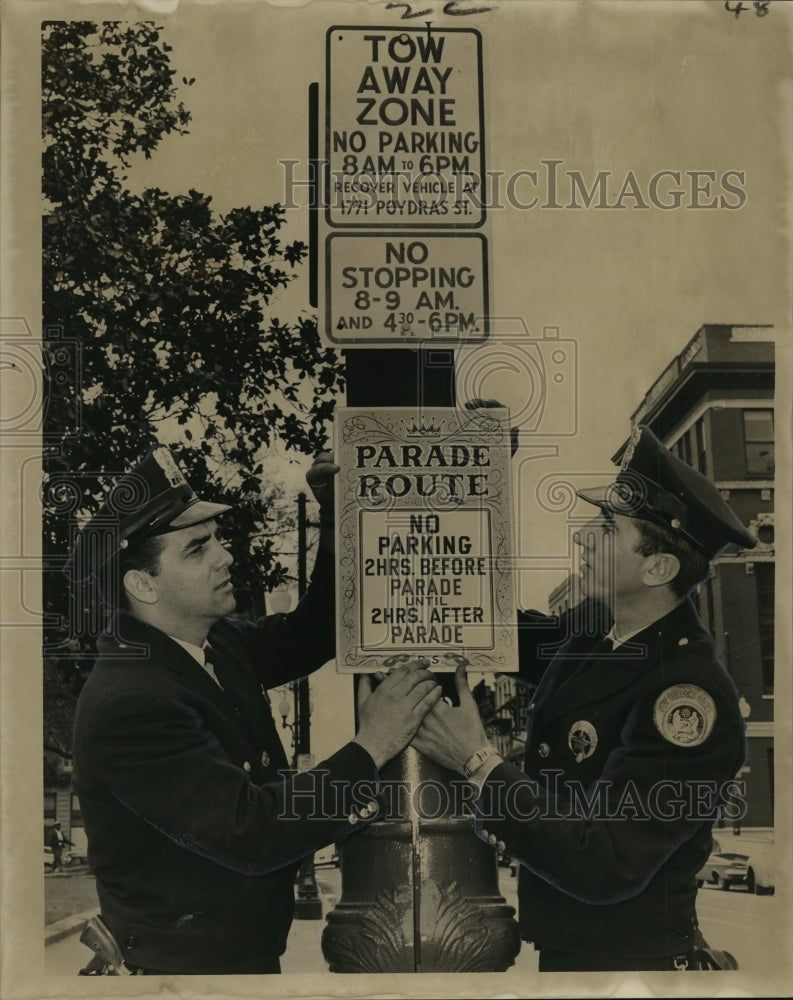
(711, 607)
(758, 436)
(701, 455)
(764, 578)
(49, 806)
(683, 448)
(770, 758)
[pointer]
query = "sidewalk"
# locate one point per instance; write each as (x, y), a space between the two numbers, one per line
(69, 900)
(303, 946)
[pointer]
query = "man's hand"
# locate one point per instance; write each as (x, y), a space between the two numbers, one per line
(450, 736)
(390, 715)
(320, 478)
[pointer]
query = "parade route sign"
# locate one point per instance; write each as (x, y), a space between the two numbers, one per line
(424, 539)
(406, 287)
(404, 127)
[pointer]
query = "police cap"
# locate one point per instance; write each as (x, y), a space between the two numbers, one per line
(655, 485)
(154, 498)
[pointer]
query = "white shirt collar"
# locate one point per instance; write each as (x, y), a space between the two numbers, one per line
(622, 639)
(199, 655)
(197, 652)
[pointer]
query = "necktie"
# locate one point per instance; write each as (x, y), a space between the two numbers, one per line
(246, 704)
(604, 645)
(217, 667)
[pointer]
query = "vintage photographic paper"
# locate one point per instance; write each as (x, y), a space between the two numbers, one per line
(241, 229)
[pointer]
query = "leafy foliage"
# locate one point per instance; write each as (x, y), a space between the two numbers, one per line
(167, 303)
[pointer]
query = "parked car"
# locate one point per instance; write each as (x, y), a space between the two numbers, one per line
(754, 869)
(724, 869)
(760, 874)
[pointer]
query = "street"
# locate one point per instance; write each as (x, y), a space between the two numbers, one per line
(742, 923)
(737, 921)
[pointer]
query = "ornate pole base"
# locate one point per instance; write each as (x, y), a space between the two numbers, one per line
(420, 895)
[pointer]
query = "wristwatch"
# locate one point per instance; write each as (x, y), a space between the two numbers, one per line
(476, 760)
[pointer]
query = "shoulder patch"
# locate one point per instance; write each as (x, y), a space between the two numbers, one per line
(684, 715)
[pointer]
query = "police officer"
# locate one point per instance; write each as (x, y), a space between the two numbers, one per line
(194, 828)
(634, 737)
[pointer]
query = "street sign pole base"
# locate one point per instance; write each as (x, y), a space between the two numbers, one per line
(419, 895)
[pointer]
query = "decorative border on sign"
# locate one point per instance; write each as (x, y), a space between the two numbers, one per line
(442, 427)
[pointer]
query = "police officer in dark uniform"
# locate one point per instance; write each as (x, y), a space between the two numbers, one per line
(634, 737)
(194, 833)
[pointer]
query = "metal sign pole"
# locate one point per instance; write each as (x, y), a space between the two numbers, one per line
(308, 905)
(405, 280)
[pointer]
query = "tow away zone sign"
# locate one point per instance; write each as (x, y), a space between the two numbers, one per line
(404, 128)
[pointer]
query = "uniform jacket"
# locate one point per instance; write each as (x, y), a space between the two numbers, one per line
(193, 835)
(628, 756)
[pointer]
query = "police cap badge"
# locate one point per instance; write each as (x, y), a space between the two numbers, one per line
(152, 499)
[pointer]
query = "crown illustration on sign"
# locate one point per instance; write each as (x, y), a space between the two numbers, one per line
(423, 429)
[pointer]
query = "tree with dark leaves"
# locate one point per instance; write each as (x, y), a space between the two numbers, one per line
(162, 309)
